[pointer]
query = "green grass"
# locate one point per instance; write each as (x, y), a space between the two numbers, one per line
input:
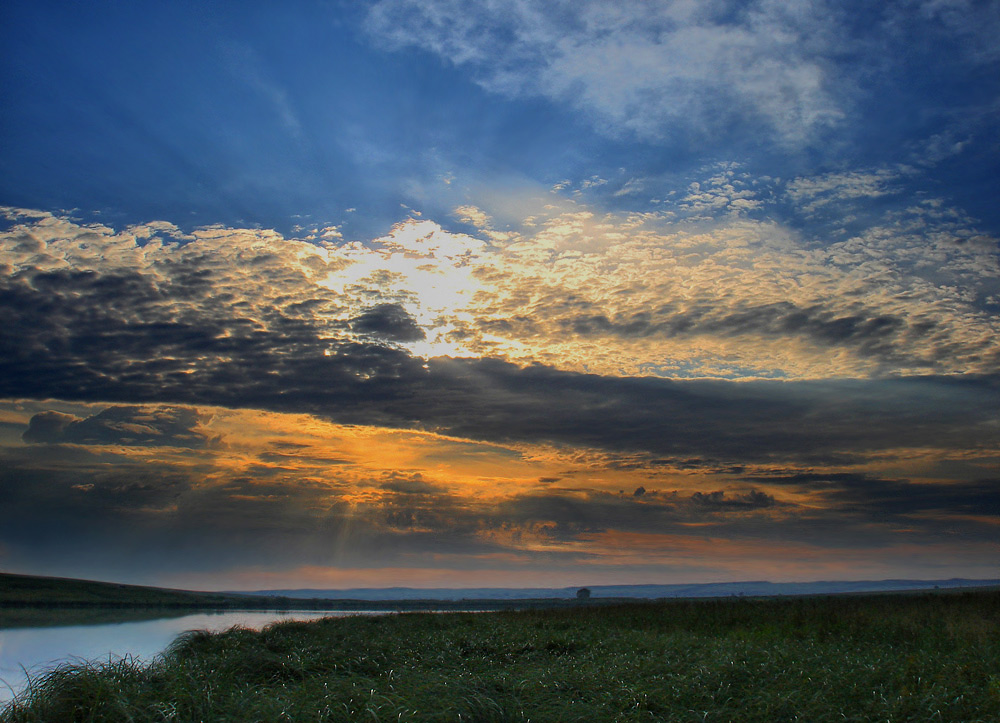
(861, 658)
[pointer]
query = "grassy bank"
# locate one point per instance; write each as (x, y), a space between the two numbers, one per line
(871, 658)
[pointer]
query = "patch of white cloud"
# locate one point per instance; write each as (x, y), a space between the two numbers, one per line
(593, 182)
(648, 68)
(941, 146)
(728, 190)
(812, 193)
(631, 186)
(484, 223)
(788, 72)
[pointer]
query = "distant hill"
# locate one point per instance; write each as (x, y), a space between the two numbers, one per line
(717, 589)
(35, 590)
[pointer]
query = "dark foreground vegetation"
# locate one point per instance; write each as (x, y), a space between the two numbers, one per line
(920, 657)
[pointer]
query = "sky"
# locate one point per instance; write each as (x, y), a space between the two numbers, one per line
(506, 293)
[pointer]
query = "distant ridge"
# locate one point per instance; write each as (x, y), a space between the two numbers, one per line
(716, 589)
(30, 590)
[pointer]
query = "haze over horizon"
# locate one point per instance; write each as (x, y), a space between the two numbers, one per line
(515, 294)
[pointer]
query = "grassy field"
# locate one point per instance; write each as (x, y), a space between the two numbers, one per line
(860, 658)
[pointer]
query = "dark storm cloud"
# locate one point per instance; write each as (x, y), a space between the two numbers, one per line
(899, 497)
(865, 494)
(412, 484)
(720, 420)
(815, 479)
(84, 335)
(388, 321)
(867, 331)
(563, 515)
(48, 427)
(300, 459)
(134, 426)
(863, 517)
(752, 500)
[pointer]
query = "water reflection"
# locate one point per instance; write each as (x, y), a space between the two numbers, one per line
(50, 641)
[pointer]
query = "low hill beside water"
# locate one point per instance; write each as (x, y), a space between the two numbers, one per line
(32, 591)
(16, 590)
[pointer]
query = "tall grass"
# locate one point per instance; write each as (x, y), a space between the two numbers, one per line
(877, 658)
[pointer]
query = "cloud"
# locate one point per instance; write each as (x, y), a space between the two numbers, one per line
(632, 185)
(687, 72)
(48, 427)
(655, 69)
(132, 426)
(878, 497)
(248, 319)
(403, 498)
(628, 294)
(388, 321)
(813, 193)
(412, 484)
(727, 190)
(240, 319)
(577, 290)
(978, 498)
(472, 215)
(752, 500)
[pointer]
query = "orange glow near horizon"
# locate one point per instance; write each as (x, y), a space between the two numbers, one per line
(521, 515)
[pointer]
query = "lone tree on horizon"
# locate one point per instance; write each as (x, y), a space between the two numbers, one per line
(583, 593)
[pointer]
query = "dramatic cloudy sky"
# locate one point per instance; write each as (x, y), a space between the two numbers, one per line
(511, 292)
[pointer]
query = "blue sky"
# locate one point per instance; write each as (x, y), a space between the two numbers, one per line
(428, 290)
(262, 115)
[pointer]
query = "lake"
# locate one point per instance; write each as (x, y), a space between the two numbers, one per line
(35, 649)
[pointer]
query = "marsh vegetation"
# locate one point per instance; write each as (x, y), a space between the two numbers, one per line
(855, 658)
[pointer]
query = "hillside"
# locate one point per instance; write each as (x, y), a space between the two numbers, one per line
(18, 590)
